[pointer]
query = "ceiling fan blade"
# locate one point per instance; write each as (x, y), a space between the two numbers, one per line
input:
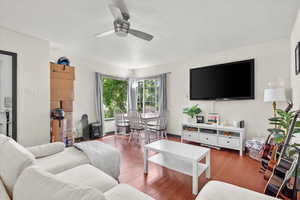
(99, 35)
(115, 11)
(122, 6)
(140, 34)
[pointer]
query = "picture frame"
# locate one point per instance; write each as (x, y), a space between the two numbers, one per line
(297, 58)
(200, 119)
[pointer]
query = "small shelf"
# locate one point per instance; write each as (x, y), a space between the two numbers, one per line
(176, 164)
(208, 131)
(229, 134)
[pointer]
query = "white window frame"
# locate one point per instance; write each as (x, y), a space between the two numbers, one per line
(156, 92)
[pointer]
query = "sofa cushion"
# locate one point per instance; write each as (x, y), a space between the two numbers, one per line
(88, 175)
(216, 190)
(3, 193)
(13, 160)
(67, 159)
(37, 184)
(123, 191)
(44, 150)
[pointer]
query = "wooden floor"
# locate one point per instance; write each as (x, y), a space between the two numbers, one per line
(166, 184)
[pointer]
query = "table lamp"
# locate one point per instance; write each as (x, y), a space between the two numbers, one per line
(275, 95)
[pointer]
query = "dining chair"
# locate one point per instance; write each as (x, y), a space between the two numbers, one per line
(136, 125)
(120, 122)
(158, 126)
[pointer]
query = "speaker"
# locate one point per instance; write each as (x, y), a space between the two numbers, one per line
(95, 130)
(85, 127)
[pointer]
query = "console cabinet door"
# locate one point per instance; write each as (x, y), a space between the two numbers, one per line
(208, 138)
(229, 142)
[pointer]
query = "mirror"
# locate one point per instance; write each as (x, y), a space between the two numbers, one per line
(8, 94)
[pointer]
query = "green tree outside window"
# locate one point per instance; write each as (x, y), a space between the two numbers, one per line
(114, 96)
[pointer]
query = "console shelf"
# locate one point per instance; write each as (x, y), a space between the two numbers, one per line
(215, 135)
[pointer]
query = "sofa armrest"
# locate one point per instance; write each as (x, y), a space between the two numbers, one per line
(45, 150)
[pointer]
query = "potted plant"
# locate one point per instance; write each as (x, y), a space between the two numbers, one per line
(192, 112)
(282, 126)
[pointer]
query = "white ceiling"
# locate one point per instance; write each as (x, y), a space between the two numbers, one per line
(181, 28)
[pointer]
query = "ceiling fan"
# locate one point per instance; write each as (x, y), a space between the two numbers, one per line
(121, 22)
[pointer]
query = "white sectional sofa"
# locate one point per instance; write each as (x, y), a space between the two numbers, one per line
(52, 172)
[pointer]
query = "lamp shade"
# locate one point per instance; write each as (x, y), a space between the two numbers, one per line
(275, 94)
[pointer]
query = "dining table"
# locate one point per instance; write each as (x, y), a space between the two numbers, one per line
(146, 117)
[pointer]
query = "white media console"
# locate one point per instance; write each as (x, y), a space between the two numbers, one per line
(215, 135)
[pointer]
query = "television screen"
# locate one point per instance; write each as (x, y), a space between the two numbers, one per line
(223, 82)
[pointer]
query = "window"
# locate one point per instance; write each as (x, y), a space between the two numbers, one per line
(147, 95)
(114, 96)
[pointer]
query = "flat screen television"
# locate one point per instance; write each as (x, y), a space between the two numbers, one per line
(230, 81)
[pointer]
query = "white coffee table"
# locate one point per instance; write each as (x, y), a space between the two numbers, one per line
(180, 157)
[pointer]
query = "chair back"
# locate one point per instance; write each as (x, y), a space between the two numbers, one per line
(163, 120)
(119, 118)
(134, 118)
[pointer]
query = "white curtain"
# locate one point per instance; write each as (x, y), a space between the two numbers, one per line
(132, 94)
(163, 107)
(99, 100)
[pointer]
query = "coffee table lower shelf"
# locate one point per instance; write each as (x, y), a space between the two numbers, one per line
(176, 164)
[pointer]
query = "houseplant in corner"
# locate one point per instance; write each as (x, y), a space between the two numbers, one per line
(282, 125)
(192, 112)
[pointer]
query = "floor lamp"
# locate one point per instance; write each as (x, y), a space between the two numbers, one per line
(275, 95)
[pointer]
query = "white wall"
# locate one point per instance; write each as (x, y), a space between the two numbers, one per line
(84, 102)
(33, 85)
(295, 80)
(272, 62)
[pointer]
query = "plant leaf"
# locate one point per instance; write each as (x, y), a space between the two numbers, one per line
(281, 112)
(275, 123)
(275, 119)
(279, 138)
(296, 130)
(275, 130)
(297, 124)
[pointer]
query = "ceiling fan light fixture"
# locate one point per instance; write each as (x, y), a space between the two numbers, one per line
(121, 27)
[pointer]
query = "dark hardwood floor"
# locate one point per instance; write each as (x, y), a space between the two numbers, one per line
(166, 184)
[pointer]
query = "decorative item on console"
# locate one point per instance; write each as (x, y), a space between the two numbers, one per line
(200, 119)
(239, 124)
(213, 118)
(192, 112)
